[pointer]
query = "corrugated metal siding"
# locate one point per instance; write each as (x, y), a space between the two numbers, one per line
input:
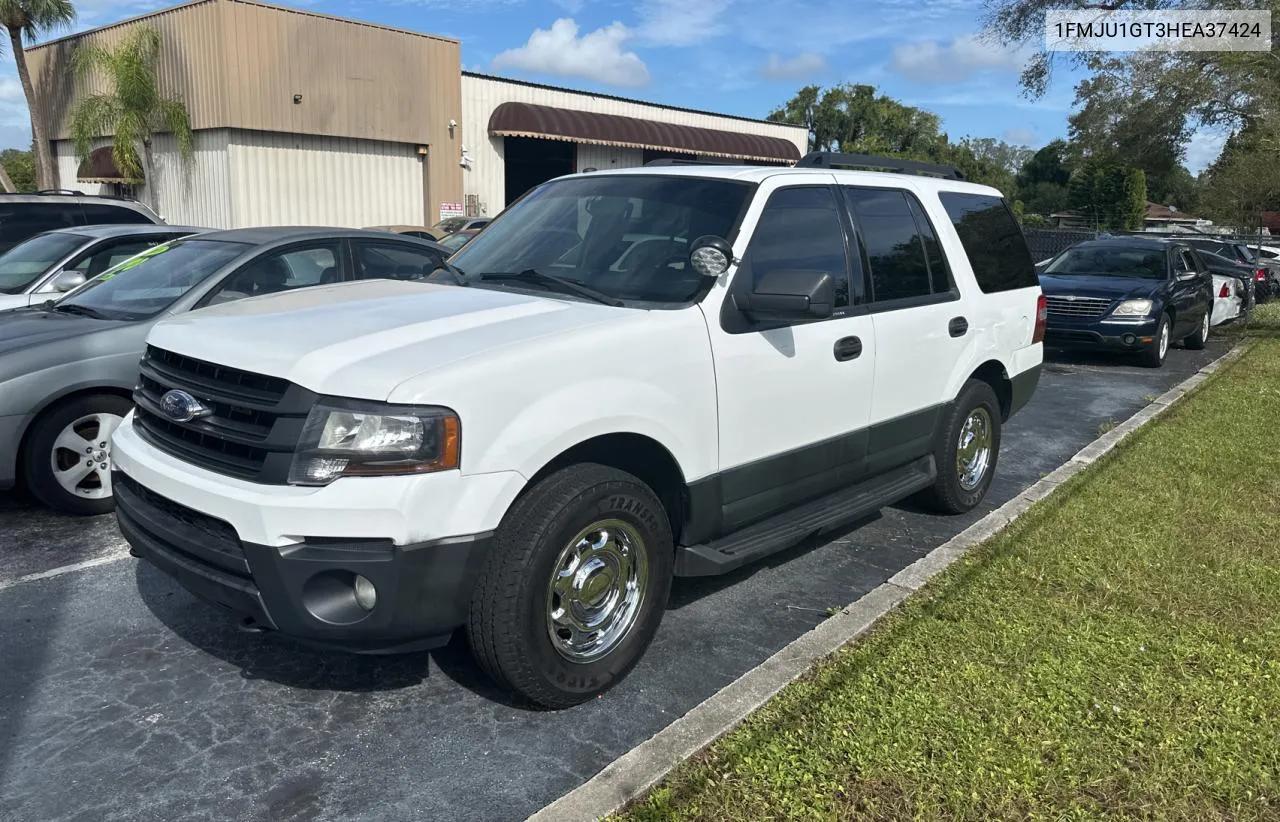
(195, 193)
(481, 95)
(289, 179)
(604, 157)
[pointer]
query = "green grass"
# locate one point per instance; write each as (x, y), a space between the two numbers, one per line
(1113, 654)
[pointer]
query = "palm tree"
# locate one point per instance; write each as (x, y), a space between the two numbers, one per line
(30, 19)
(134, 111)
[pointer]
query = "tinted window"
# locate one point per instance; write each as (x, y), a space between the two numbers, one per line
(103, 214)
(23, 264)
(800, 229)
(894, 243)
(156, 279)
(992, 240)
(18, 221)
(626, 236)
(938, 271)
(287, 270)
(376, 261)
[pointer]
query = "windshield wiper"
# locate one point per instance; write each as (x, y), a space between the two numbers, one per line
(72, 308)
(458, 274)
(533, 275)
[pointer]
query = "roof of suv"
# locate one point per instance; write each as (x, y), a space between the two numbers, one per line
(758, 174)
(73, 197)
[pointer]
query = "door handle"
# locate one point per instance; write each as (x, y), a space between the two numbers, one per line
(848, 348)
(958, 327)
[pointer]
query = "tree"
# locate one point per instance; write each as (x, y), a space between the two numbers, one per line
(1244, 181)
(30, 19)
(134, 111)
(1011, 158)
(1041, 183)
(20, 167)
(1112, 197)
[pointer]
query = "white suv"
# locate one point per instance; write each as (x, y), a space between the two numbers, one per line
(628, 376)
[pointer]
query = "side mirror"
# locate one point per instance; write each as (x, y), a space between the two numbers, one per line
(711, 256)
(68, 281)
(1185, 275)
(791, 294)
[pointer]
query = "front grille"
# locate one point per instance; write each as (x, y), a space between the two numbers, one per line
(254, 426)
(195, 536)
(1078, 307)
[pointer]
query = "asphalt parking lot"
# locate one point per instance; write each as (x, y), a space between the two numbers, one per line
(121, 697)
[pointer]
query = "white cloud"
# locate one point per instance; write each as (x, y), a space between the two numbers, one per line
(1202, 149)
(11, 90)
(929, 61)
(596, 55)
(680, 22)
(802, 65)
(1021, 136)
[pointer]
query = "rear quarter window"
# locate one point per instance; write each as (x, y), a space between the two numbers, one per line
(991, 238)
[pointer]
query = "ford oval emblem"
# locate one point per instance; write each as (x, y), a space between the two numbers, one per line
(180, 406)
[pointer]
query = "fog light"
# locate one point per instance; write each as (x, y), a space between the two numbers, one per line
(366, 594)
(1129, 339)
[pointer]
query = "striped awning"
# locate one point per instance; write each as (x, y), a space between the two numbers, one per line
(100, 167)
(551, 123)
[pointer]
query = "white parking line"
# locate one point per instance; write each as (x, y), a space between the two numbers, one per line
(118, 553)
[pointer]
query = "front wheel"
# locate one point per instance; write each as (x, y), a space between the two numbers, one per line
(574, 587)
(1197, 341)
(1155, 352)
(966, 456)
(67, 459)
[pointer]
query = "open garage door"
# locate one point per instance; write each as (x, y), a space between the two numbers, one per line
(530, 161)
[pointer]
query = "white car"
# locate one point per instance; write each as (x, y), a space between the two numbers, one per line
(1228, 299)
(534, 440)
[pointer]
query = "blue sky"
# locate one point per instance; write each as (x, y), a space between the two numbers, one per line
(735, 56)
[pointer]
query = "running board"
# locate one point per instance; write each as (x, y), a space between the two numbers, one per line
(790, 528)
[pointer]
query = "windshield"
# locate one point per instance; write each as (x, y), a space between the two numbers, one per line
(147, 284)
(450, 225)
(23, 264)
(1111, 261)
(455, 241)
(624, 236)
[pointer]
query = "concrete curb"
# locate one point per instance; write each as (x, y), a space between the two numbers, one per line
(638, 770)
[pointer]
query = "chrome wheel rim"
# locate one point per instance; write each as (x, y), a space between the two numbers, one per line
(81, 456)
(1204, 330)
(1164, 340)
(596, 590)
(973, 454)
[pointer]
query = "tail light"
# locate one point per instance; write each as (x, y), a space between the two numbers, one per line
(1260, 276)
(1225, 292)
(1042, 318)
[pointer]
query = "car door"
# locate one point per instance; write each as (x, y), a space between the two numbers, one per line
(920, 323)
(793, 398)
(390, 260)
(1188, 295)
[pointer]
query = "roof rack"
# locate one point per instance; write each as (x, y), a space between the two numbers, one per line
(675, 161)
(832, 159)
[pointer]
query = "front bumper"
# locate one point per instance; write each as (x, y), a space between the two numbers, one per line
(1105, 335)
(287, 559)
(10, 438)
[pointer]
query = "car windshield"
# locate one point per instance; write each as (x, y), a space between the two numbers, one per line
(450, 225)
(623, 236)
(23, 264)
(455, 241)
(149, 283)
(1110, 261)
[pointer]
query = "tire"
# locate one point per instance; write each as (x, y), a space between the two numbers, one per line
(512, 626)
(1196, 341)
(1153, 355)
(954, 492)
(67, 458)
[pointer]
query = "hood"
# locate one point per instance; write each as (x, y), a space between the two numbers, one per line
(9, 301)
(25, 328)
(362, 339)
(1113, 288)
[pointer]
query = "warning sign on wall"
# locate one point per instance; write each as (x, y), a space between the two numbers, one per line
(448, 210)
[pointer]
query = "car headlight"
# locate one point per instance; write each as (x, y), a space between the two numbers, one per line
(345, 438)
(1132, 308)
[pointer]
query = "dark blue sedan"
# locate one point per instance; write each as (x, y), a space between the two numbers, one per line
(1128, 294)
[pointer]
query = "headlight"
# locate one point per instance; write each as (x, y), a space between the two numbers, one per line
(345, 438)
(1132, 308)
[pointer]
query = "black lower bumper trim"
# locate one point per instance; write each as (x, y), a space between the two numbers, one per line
(307, 591)
(1024, 386)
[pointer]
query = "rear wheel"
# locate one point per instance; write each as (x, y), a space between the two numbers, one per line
(1197, 341)
(1155, 352)
(575, 586)
(67, 460)
(967, 455)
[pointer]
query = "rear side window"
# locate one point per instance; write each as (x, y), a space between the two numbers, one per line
(102, 214)
(899, 249)
(19, 221)
(997, 250)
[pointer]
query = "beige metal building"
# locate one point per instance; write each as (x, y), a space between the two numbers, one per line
(302, 118)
